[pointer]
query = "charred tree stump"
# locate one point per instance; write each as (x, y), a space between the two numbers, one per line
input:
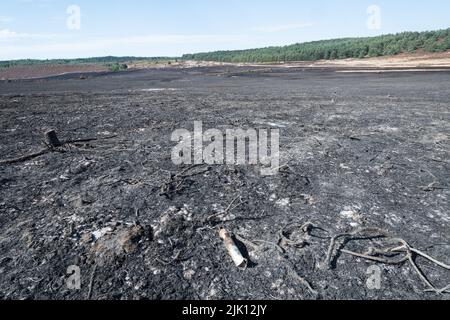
(52, 140)
(52, 143)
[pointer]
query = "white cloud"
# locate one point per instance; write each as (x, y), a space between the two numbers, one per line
(4, 19)
(110, 46)
(36, 1)
(7, 34)
(283, 27)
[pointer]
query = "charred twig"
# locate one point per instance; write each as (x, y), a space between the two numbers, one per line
(442, 291)
(375, 258)
(302, 280)
(25, 158)
(183, 172)
(226, 211)
(388, 255)
(174, 183)
(91, 282)
(89, 140)
(431, 187)
(377, 234)
(284, 239)
(291, 269)
(437, 160)
(259, 247)
(174, 259)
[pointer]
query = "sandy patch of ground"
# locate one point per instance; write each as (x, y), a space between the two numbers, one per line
(43, 71)
(401, 61)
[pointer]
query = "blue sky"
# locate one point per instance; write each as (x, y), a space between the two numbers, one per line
(39, 28)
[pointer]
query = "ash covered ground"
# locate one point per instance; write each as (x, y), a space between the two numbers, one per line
(360, 150)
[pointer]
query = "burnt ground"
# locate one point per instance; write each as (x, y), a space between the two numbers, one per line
(363, 150)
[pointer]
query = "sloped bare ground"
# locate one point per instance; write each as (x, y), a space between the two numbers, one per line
(41, 71)
(404, 60)
(362, 151)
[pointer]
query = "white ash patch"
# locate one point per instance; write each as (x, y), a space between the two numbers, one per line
(444, 216)
(188, 274)
(353, 214)
(385, 129)
(393, 220)
(157, 89)
(105, 133)
(283, 202)
(97, 234)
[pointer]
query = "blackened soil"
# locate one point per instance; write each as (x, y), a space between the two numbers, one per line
(364, 150)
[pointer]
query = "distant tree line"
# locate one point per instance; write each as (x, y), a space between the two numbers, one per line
(111, 62)
(406, 42)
